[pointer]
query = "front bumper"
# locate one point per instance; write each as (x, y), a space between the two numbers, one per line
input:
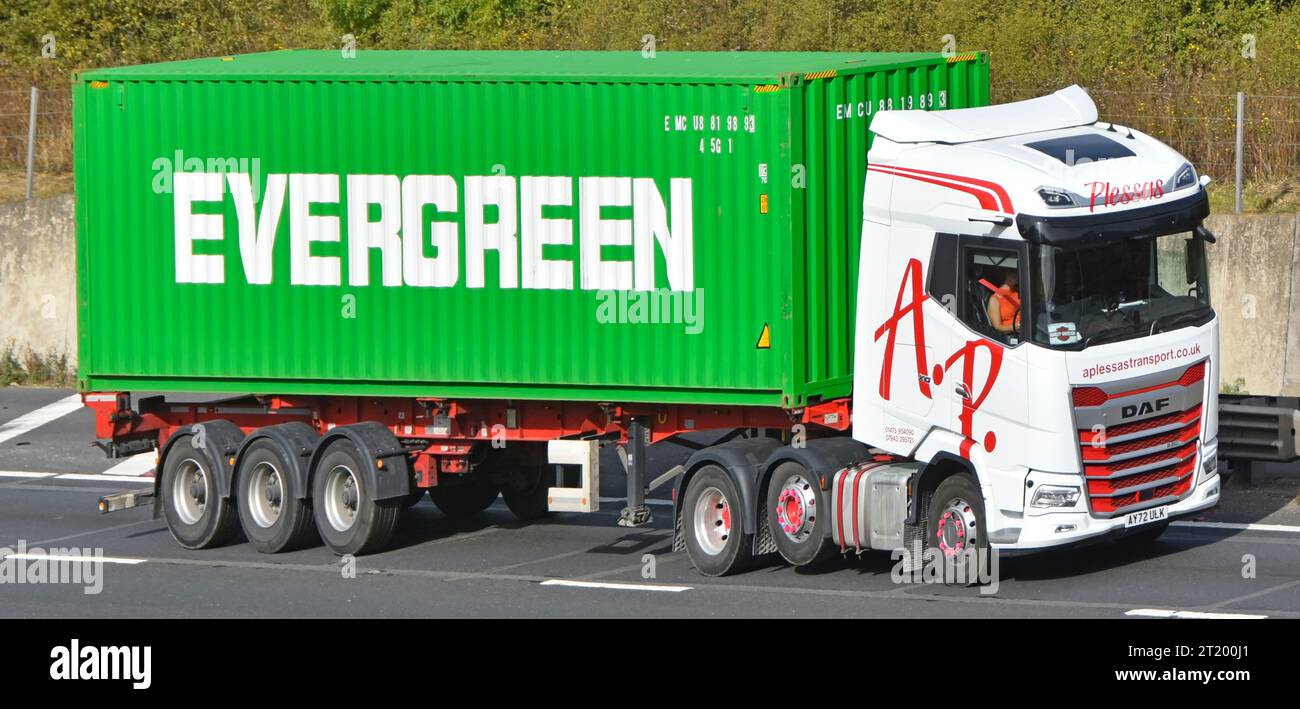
(1048, 530)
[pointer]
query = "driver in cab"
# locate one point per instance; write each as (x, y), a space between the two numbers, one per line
(1003, 306)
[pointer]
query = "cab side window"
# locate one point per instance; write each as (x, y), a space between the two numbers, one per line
(990, 284)
(941, 282)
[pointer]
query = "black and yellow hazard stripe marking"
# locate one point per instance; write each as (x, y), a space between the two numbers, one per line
(964, 57)
(767, 88)
(828, 74)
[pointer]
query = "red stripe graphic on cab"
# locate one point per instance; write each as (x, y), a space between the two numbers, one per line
(983, 190)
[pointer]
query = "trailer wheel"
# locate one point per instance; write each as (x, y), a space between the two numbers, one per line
(273, 518)
(525, 492)
(197, 516)
(715, 539)
(798, 517)
(956, 528)
(464, 499)
(349, 521)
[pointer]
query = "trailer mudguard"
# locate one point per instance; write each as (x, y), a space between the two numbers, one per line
(742, 458)
(818, 456)
(297, 442)
(375, 442)
(219, 440)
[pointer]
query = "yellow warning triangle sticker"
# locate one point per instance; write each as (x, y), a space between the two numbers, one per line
(765, 338)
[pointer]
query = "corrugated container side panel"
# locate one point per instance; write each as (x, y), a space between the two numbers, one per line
(83, 196)
(835, 114)
(794, 334)
(142, 328)
(793, 268)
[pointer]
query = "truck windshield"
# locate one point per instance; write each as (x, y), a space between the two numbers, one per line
(1119, 290)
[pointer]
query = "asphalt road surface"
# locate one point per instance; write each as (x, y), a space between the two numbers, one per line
(1242, 558)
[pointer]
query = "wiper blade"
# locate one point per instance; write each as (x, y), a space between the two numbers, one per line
(1114, 334)
(1187, 318)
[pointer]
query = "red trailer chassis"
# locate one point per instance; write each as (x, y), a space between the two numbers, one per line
(440, 434)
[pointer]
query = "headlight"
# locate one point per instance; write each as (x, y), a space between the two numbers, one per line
(1185, 177)
(1055, 496)
(1056, 198)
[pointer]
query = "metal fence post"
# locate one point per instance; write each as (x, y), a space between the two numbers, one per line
(1241, 142)
(31, 146)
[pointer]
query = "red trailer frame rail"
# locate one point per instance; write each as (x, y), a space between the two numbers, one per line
(440, 433)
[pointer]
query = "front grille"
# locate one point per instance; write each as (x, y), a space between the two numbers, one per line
(1124, 431)
(1128, 465)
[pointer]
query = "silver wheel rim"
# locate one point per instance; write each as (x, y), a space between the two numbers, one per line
(796, 508)
(957, 528)
(341, 498)
(265, 494)
(712, 521)
(189, 491)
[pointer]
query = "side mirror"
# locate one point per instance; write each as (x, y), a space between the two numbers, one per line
(1192, 260)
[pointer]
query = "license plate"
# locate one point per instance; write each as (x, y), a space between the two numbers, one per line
(1155, 514)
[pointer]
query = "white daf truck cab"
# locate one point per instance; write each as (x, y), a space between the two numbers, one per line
(1035, 353)
(1033, 309)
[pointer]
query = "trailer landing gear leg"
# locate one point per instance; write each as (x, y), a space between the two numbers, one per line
(636, 514)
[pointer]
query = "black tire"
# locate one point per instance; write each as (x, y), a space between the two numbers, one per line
(465, 498)
(725, 553)
(272, 517)
(525, 492)
(349, 521)
(197, 516)
(1145, 536)
(795, 502)
(958, 502)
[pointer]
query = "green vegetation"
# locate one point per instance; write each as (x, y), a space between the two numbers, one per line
(1262, 196)
(31, 368)
(1170, 68)
(1103, 43)
(1238, 386)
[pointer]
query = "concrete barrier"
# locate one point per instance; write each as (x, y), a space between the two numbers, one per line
(1254, 275)
(38, 276)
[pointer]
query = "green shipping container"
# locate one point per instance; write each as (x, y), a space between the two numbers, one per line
(675, 228)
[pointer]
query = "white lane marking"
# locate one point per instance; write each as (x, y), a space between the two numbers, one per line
(616, 586)
(23, 474)
(39, 417)
(77, 559)
(611, 500)
(1163, 613)
(1239, 526)
(135, 466)
(101, 477)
